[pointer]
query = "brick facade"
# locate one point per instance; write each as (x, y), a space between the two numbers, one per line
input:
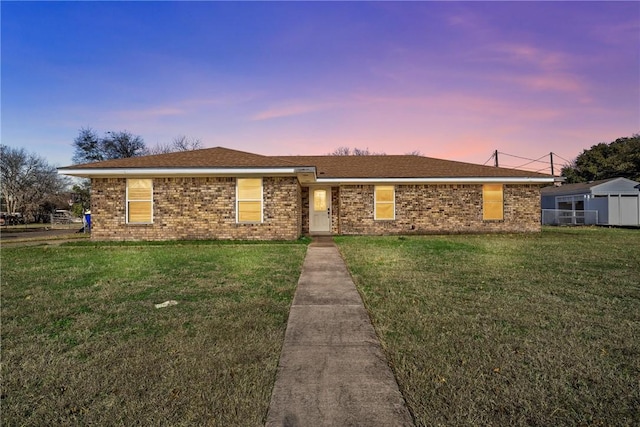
(442, 208)
(204, 208)
(196, 208)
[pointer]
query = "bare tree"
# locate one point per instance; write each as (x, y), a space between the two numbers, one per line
(341, 151)
(414, 153)
(179, 143)
(28, 180)
(122, 144)
(89, 147)
(347, 151)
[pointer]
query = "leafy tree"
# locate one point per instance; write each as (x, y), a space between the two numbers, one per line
(179, 143)
(347, 151)
(89, 147)
(28, 181)
(81, 197)
(621, 158)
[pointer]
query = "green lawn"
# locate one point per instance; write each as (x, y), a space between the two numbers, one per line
(536, 329)
(83, 344)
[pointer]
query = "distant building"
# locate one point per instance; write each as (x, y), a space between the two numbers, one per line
(614, 201)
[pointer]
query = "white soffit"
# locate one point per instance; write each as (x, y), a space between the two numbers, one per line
(307, 176)
(168, 172)
(461, 180)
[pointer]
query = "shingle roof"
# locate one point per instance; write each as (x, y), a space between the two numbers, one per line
(580, 187)
(391, 166)
(406, 166)
(218, 157)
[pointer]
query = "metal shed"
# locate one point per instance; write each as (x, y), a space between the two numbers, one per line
(614, 201)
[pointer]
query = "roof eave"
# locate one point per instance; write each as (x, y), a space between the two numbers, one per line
(444, 180)
(170, 172)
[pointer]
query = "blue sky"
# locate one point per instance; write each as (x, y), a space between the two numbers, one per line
(453, 80)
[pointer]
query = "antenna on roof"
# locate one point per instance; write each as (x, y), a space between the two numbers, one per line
(495, 158)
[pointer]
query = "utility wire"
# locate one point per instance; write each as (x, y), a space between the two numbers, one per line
(540, 170)
(562, 158)
(529, 161)
(533, 161)
(517, 157)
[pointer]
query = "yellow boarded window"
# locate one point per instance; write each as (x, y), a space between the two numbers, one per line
(492, 202)
(139, 201)
(385, 202)
(249, 200)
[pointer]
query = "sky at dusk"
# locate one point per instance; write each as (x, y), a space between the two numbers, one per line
(454, 80)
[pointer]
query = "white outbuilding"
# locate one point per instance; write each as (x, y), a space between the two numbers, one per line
(614, 201)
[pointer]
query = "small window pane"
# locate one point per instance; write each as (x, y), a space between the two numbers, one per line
(384, 194)
(139, 193)
(249, 211)
(493, 211)
(139, 211)
(384, 211)
(250, 189)
(139, 183)
(319, 200)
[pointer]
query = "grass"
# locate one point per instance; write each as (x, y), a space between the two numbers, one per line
(83, 344)
(540, 329)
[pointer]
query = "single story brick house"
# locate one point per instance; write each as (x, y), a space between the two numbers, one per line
(219, 193)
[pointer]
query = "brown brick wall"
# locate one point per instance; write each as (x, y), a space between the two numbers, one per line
(196, 208)
(438, 209)
(204, 208)
(335, 210)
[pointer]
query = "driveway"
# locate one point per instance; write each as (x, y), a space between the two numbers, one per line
(8, 235)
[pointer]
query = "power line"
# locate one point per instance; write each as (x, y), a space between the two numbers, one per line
(557, 155)
(530, 169)
(532, 161)
(488, 160)
(519, 157)
(545, 168)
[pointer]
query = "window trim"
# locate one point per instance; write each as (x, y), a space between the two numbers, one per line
(485, 201)
(261, 200)
(127, 200)
(376, 202)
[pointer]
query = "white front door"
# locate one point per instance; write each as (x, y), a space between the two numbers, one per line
(320, 209)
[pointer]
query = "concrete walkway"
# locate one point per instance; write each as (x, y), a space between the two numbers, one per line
(332, 371)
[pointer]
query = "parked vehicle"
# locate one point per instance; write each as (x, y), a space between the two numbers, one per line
(14, 218)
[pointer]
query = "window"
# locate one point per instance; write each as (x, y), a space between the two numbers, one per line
(492, 202)
(385, 202)
(249, 200)
(139, 201)
(319, 200)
